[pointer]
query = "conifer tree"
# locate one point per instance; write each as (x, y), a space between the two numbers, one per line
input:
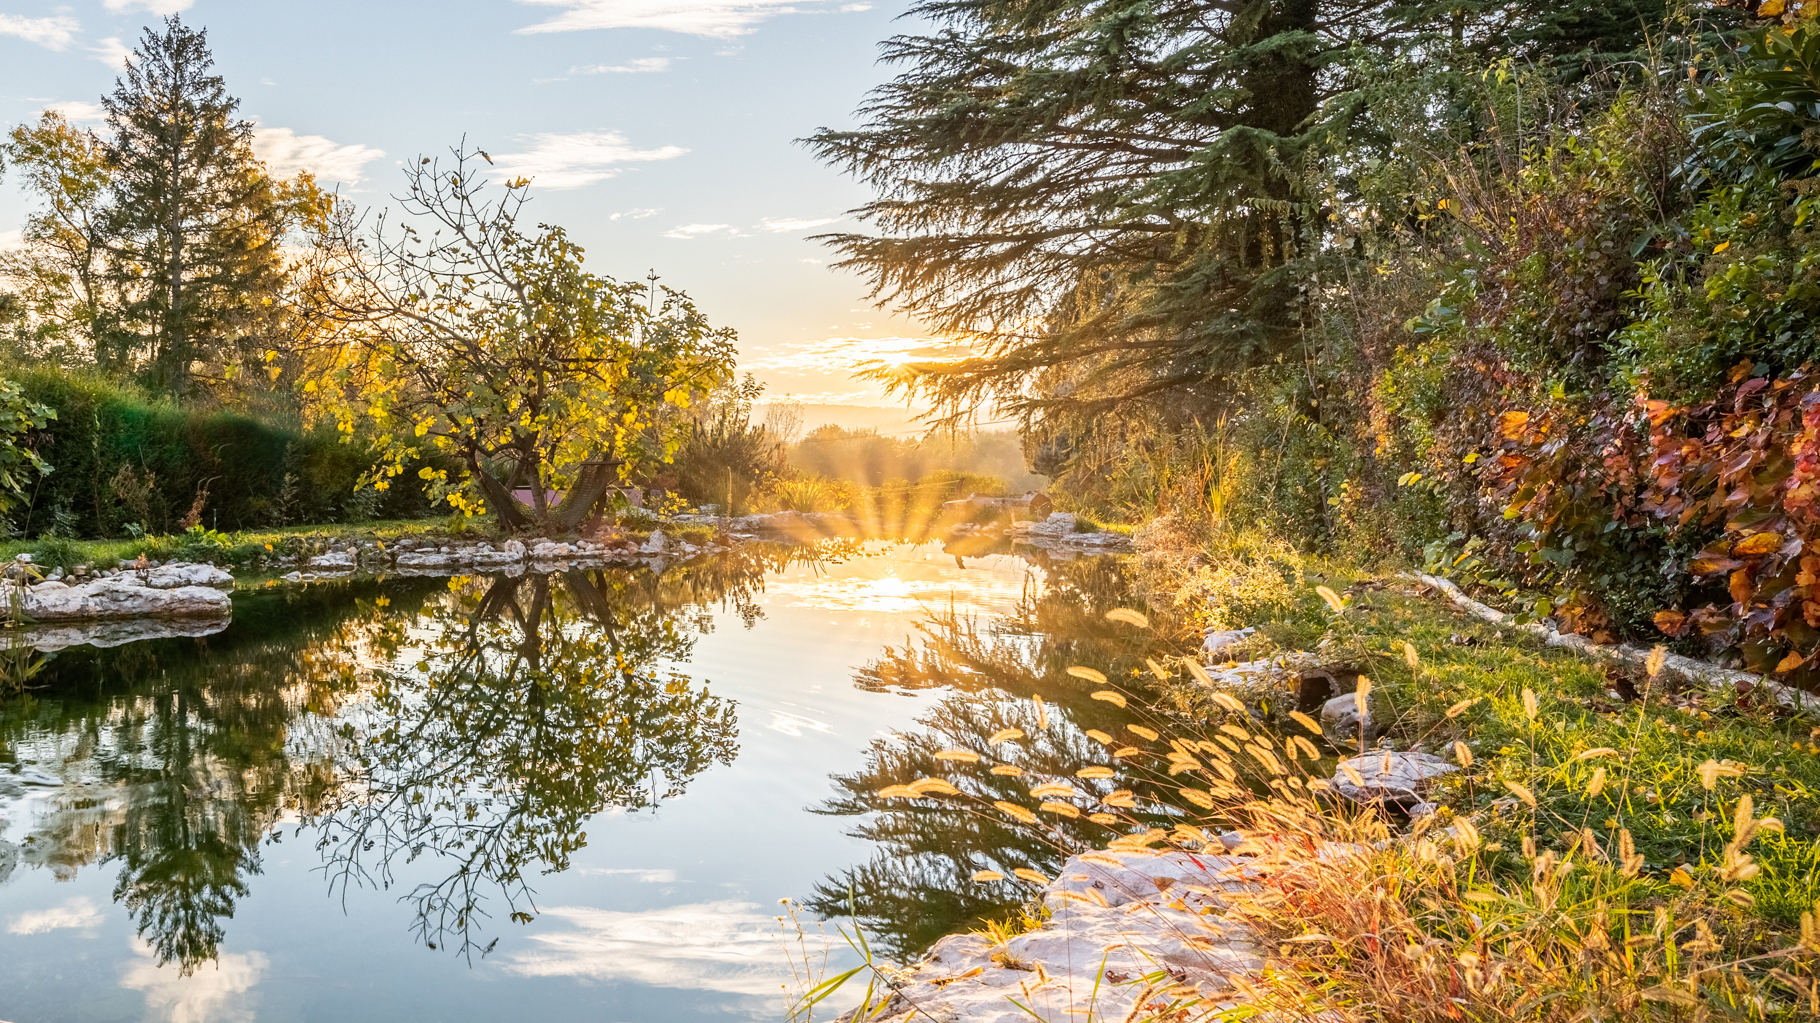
(197, 221)
(1117, 200)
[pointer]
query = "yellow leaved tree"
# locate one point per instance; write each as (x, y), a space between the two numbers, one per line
(488, 352)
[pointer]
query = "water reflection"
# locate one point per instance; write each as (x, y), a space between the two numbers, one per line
(536, 703)
(475, 724)
(1007, 673)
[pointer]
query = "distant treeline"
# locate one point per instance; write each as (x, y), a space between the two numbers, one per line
(866, 458)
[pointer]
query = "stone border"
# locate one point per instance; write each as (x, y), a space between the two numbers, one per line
(1709, 675)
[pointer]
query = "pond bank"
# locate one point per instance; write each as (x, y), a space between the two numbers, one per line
(1560, 806)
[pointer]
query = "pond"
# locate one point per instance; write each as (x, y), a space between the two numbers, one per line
(572, 796)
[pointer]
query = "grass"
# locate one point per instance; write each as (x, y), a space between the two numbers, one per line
(1615, 846)
(284, 545)
(241, 548)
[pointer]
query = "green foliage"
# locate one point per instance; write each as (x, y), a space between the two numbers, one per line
(496, 351)
(125, 459)
(19, 464)
(727, 458)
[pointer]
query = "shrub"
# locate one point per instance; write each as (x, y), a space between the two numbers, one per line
(120, 459)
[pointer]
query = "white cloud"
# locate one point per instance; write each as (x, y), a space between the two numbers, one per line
(79, 111)
(782, 224)
(654, 875)
(571, 161)
(155, 6)
(846, 353)
(709, 946)
(215, 993)
(76, 914)
(639, 213)
(687, 231)
(640, 66)
(717, 19)
(53, 33)
(854, 8)
(286, 153)
(111, 52)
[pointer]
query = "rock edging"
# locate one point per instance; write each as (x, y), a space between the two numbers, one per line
(1129, 933)
(1709, 675)
(176, 590)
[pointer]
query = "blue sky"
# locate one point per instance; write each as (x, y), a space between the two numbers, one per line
(659, 132)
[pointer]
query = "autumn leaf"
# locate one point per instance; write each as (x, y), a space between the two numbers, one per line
(1759, 544)
(1671, 622)
(1511, 424)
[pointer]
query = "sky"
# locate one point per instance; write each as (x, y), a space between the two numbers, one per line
(660, 133)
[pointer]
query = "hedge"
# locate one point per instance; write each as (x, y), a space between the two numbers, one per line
(119, 458)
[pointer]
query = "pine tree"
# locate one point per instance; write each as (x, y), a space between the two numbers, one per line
(1118, 200)
(197, 221)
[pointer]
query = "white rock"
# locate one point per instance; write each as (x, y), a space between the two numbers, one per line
(1216, 641)
(333, 559)
(1341, 720)
(654, 544)
(178, 574)
(1094, 955)
(122, 596)
(1397, 777)
(547, 549)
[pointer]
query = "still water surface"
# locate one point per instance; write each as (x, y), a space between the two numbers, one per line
(569, 797)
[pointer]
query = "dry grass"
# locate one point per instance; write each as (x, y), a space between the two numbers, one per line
(1528, 898)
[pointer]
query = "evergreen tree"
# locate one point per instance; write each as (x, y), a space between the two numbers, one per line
(1119, 200)
(197, 221)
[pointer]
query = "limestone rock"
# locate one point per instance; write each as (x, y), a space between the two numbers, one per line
(121, 596)
(654, 544)
(333, 559)
(1390, 776)
(1341, 720)
(171, 576)
(1093, 954)
(1218, 641)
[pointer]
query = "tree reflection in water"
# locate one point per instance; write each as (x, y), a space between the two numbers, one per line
(918, 885)
(189, 750)
(538, 702)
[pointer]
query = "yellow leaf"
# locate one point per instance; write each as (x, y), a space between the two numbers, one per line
(1680, 878)
(1791, 662)
(1758, 544)
(1722, 246)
